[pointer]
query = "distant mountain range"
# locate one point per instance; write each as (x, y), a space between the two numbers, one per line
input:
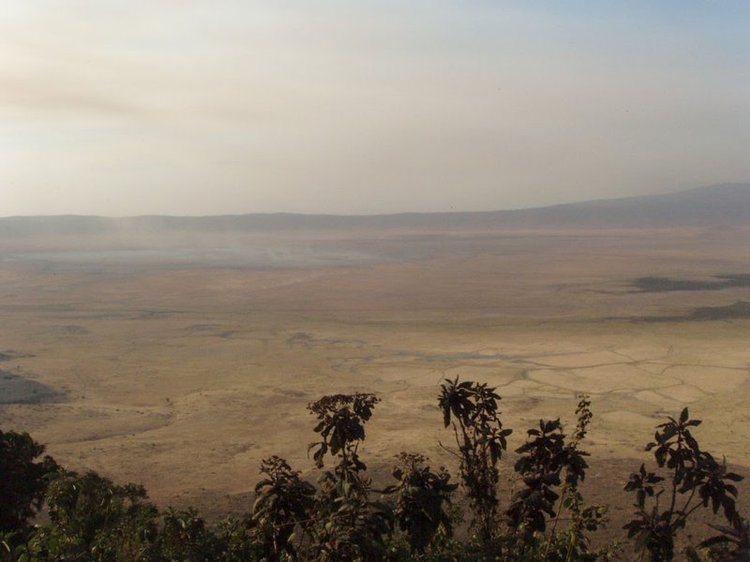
(726, 204)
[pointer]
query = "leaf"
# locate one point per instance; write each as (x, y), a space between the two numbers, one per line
(684, 415)
(713, 541)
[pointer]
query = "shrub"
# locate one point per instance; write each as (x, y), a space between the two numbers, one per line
(422, 499)
(91, 518)
(347, 524)
(24, 477)
(283, 503)
(343, 519)
(692, 479)
(471, 409)
(185, 538)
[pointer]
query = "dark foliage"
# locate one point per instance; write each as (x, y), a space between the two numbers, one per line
(471, 409)
(543, 458)
(551, 467)
(692, 479)
(732, 544)
(347, 524)
(24, 476)
(341, 428)
(92, 519)
(284, 502)
(186, 538)
(422, 499)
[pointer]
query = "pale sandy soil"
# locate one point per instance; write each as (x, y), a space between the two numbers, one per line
(183, 373)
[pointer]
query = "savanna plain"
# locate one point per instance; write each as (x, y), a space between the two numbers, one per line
(181, 363)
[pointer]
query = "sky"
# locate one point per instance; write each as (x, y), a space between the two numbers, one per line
(186, 107)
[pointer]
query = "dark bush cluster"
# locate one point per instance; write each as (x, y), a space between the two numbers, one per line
(418, 517)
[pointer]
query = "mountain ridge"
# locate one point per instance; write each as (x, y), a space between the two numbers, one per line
(721, 204)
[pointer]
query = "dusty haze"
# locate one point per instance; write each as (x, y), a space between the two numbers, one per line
(180, 359)
(161, 107)
(213, 213)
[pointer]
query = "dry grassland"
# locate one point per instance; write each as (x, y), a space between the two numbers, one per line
(181, 369)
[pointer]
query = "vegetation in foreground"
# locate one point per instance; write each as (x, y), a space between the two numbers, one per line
(345, 518)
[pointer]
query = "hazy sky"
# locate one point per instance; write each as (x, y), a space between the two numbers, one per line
(357, 106)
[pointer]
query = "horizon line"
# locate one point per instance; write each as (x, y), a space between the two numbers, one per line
(745, 184)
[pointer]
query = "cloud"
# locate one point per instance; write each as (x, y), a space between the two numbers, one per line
(193, 107)
(40, 96)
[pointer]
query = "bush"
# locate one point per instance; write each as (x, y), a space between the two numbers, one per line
(471, 410)
(92, 518)
(422, 500)
(690, 479)
(283, 503)
(24, 477)
(344, 518)
(347, 524)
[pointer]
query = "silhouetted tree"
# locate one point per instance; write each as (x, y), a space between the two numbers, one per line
(24, 477)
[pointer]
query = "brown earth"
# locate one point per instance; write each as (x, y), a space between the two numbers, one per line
(181, 369)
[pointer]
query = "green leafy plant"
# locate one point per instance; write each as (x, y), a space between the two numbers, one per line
(584, 519)
(548, 462)
(11, 548)
(542, 459)
(283, 503)
(91, 518)
(732, 544)
(422, 499)
(471, 410)
(236, 542)
(693, 480)
(185, 537)
(24, 477)
(348, 524)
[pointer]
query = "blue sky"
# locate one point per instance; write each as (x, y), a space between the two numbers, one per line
(188, 107)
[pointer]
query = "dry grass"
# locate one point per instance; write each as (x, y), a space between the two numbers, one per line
(182, 372)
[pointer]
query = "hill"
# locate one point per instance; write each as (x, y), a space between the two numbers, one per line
(726, 204)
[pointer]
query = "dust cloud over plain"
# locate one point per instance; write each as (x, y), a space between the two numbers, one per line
(181, 364)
